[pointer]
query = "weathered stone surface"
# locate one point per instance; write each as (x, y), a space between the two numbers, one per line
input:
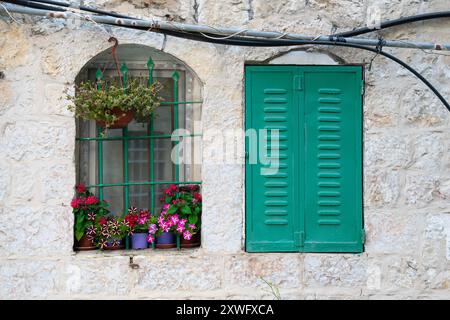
(335, 270)
(14, 45)
(179, 272)
(387, 150)
(382, 187)
(253, 270)
(27, 231)
(420, 190)
(393, 231)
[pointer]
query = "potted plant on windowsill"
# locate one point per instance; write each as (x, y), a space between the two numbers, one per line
(138, 224)
(112, 105)
(110, 232)
(187, 203)
(87, 209)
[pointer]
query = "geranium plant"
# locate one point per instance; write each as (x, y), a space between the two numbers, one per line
(87, 209)
(100, 101)
(183, 206)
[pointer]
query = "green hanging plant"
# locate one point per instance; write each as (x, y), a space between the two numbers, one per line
(102, 100)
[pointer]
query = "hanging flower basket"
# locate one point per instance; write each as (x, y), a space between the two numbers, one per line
(123, 119)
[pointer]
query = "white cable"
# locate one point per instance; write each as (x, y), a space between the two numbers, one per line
(9, 14)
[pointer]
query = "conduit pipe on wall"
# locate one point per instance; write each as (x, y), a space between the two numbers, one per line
(237, 39)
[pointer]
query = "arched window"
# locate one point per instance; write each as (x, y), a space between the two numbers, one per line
(132, 166)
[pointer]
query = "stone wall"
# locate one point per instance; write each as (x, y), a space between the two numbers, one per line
(406, 161)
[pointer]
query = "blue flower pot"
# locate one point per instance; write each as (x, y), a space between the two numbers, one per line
(139, 241)
(166, 240)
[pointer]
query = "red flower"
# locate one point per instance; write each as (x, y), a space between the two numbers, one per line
(198, 196)
(91, 200)
(81, 188)
(75, 203)
(102, 221)
(193, 187)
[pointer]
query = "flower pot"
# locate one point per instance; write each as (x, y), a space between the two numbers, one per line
(139, 241)
(194, 242)
(85, 244)
(166, 240)
(111, 246)
(124, 118)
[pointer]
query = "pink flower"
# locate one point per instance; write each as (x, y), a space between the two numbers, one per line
(170, 223)
(182, 222)
(166, 206)
(165, 227)
(91, 200)
(192, 226)
(142, 220)
(150, 238)
(187, 235)
(174, 219)
(161, 220)
(152, 229)
(180, 228)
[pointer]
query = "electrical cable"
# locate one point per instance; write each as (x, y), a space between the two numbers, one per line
(396, 22)
(336, 41)
(84, 8)
(350, 33)
(285, 42)
(30, 4)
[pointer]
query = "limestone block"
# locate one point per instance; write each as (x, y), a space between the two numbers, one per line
(392, 231)
(179, 272)
(250, 271)
(335, 270)
(420, 190)
(388, 150)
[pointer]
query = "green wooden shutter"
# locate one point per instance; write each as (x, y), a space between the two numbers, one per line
(333, 179)
(271, 199)
(314, 202)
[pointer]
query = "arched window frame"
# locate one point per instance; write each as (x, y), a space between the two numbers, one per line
(186, 93)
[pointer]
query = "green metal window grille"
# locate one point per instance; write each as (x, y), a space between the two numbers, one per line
(100, 140)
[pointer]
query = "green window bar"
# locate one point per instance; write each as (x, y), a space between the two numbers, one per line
(100, 139)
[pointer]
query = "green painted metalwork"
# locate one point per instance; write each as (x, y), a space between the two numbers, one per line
(180, 103)
(124, 72)
(100, 160)
(150, 67)
(176, 78)
(314, 202)
(143, 183)
(125, 168)
(98, 77)
(162, 136)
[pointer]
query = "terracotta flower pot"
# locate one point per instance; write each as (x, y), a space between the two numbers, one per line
(194, 242)
(84, 244)
(124, 118)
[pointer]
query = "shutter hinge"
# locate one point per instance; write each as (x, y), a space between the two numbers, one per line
(363, 236)
(299, 238)
(298, 83)
(363, 87)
